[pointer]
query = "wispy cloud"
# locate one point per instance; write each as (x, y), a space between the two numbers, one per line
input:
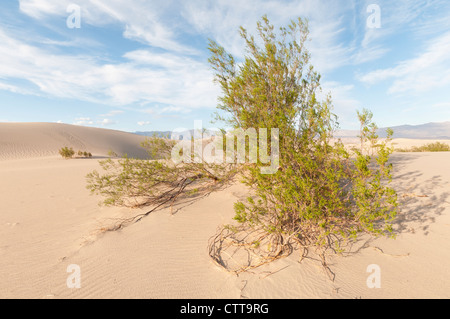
(343, 101)
(429, 70)
(107, 122)
(144, 21)
(112, 113)
(173, 77)
(83, 121)
(147, 77)
(14, 89)
(221, 20)
(151, 57)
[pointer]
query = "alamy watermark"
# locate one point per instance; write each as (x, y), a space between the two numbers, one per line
(74, 19)
(374, 20)
(374, 279)
(230, 147)
(74, 279)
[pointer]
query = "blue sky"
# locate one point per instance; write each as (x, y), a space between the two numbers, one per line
(142, 65)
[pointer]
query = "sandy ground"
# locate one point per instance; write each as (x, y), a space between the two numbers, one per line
(48, 221)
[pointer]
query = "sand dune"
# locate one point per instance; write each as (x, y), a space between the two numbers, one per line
(24, 140)
(48, 221)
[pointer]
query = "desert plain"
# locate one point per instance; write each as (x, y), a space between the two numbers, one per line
(49, 221)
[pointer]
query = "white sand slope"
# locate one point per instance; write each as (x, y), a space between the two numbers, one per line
(24, 140)
(49, 221)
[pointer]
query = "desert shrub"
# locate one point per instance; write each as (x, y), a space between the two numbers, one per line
(321, 195)
(137, 183)
(83, 154)
(111, 153)
(430, 147)
(67, 152)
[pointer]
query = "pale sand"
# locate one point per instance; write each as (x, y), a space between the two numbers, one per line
(25, 140)
(49, 221)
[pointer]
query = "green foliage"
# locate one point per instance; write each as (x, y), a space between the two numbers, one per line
(130, 182)
(430, 147)
(84, 154)
(138, 183)
(322, 192)
(158, 148)
(67, 152)
(111, 153)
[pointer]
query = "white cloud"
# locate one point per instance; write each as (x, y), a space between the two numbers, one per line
(38, 9)
(173, 78)
(112, 113)
(427, 71)
(345, 105)
(177, 80)
(107, 122)
(143, 123)
(406, 18)
(83, 121)
(369, 54)
(146, 77)
(14, 89)
(443, 105)
(221, 20)
(159, 111)
(144, 21)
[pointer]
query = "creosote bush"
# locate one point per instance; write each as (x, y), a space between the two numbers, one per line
(136, 183)
(430, 147)
(67, 152)
(111, 153)
(322, 195)
(84, 154)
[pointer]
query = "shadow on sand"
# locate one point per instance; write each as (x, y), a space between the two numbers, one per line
(421, 198)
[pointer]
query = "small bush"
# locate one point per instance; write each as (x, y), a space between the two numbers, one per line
(322, 195)
(430, 147)
(111, 153)
(67, 152)
(84, 154)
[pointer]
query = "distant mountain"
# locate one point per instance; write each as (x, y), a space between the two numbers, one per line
(424, 131)
(168, 134)
(439, 131)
